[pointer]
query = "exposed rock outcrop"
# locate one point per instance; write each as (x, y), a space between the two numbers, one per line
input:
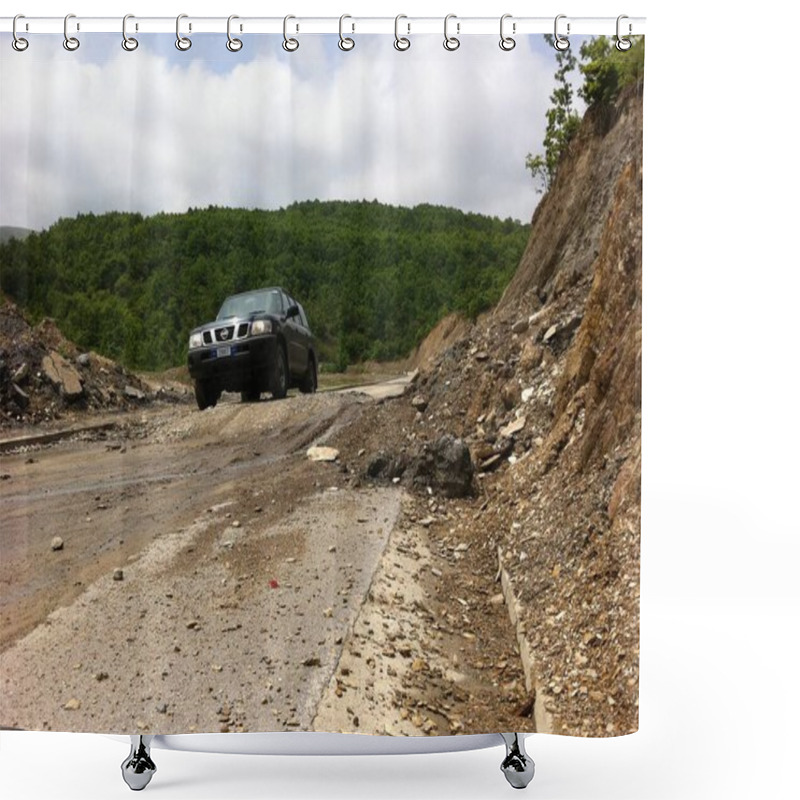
(545, 391)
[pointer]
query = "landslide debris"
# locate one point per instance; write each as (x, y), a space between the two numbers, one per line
(45, 377)
(545, 391)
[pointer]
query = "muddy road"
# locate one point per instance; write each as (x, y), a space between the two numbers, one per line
(241, 560)
(215, 578)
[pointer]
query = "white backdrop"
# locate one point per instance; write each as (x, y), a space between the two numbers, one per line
(720, 598)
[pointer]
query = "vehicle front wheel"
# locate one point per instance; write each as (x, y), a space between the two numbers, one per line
(279, 375)
(205, 394)
(309, 383)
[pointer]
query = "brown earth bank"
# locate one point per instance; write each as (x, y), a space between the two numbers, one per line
(465, 559)
(546, 392)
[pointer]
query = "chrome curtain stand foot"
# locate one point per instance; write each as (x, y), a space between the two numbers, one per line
(138, 768)
(517, 766)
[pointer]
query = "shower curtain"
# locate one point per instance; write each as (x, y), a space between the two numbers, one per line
(436, 530)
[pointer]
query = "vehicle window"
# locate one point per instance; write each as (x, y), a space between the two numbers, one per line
(245, 305)
(303, 316)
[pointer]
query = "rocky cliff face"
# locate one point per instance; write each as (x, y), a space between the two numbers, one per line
(546, 391)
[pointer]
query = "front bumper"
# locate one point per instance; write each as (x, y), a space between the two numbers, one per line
(243, 364)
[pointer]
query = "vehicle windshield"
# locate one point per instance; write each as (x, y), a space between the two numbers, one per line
(243, 306)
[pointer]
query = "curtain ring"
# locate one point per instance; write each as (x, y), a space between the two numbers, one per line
(345, 42)
(622, 43)
(451, 42)
(290, 45)
(560, 42)
(18, 43)
(401, 42)
(506, 42)
(70, 42)
(233, 44)
(181, 42)
(128, 42)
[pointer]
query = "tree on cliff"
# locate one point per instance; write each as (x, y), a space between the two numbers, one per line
(606, 71)
(562, 122)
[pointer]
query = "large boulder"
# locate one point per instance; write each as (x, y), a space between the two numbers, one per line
(62, 375)
(444, 465)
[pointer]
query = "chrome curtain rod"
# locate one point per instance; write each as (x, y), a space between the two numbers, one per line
(405, 25)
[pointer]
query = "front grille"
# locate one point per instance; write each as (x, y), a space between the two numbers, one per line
(232, 333)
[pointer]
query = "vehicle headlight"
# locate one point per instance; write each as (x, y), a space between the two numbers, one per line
(195, 340)
(261, 326)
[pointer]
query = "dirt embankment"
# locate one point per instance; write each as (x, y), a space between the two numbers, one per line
(45, 378)
(546, 392)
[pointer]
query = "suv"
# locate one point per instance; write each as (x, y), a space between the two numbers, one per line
(260, 341)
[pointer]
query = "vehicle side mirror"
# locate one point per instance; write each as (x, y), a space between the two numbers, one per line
(292, 311)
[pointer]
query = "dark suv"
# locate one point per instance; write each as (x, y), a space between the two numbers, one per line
(259, 342)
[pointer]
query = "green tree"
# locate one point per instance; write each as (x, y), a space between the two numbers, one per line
(374, 279)
(606, 70)
(562, 122)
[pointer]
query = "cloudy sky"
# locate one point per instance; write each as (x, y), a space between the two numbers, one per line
(156, 130)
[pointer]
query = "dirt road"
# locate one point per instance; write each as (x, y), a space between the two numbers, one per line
(212, 577)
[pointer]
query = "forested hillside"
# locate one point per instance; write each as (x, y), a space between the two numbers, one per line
(374, 278)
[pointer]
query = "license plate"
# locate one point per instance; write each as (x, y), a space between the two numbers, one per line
(223, 351)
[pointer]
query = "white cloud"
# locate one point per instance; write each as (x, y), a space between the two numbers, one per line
(158, 130)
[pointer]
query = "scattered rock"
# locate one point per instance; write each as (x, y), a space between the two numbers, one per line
(118, 574)
(19, 396)
(520, 326)
(73, 704)
(133, 392)
(21, 373)
(531, 356)
(57, 543)
(513, 427)
(419, 402)
(322, 453)
(510, 394)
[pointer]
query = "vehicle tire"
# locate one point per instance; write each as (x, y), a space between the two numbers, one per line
(205, 394)
(250, 396)
(279, 375)
(309, 382)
